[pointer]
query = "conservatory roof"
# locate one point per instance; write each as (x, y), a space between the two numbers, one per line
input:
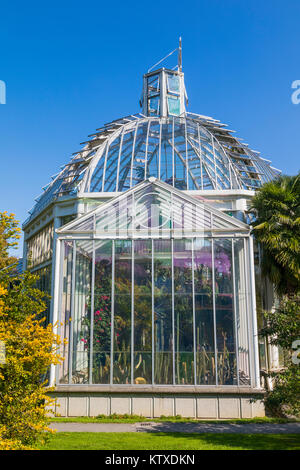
(186, 150)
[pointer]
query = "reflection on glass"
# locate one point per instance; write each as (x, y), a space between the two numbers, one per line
(142, 311)
(174, 105)
(205, 347)
(82, 311)
(173, 83)
(154, 105)
(163, 334)
(66, 309)
(122, 312)
(203, 266)
(102, 312)
(183, 310)
(241, 294)
(225, 340)
(158, 304)
(225, 331)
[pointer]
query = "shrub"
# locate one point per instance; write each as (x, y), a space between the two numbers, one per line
(30, 348)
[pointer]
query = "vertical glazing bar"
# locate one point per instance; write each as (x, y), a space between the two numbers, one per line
(173, 153)
(57, 307)
(112, 323)
(119, 159)
(152, 303)
(215, 163)
(194, 315)
(132, 311)
(173, 313)
(186, 156)
(214, 309)
(104, 167)
(132, 155)
(159, 152)
(250, 257)
(72, 312)
(92, 316)
(235, 315)
(200, 155)
(248, 310)
(146, 151)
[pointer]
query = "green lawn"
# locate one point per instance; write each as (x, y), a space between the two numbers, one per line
(171, 441)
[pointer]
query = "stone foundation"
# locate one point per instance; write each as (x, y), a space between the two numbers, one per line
(216, 403)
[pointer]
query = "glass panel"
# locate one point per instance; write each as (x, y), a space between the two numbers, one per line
(122, 312)
(173, 83)
(81, 316)
(174, 106)
(39, 247)
(66, 309)
(153, 106)
(225, 340)
(241, 293)
(163, 332)
(203, 266)
(182, 266)
(183, 311)
(205, 347)
(184, 355)
(226, 353)
(262, 347)
(102, 312)
(142, 311)
(44, 284)
(122, 339)
(153, 84)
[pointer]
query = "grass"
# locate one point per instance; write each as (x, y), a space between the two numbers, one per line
(171, 441)
(162, 419)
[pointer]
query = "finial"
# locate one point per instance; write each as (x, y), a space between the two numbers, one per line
(180, 56)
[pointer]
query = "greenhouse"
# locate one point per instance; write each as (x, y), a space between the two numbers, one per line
(144, 242)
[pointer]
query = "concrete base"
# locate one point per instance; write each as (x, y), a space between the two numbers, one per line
(205, 404)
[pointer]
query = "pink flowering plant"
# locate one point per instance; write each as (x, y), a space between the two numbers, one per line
(101, 326)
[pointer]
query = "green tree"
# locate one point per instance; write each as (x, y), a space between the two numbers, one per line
(9, 236)
(276, 206)
(30, 348)
(283, 330)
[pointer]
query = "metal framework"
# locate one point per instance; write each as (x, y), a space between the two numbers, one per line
(80, 243)
(189, 152)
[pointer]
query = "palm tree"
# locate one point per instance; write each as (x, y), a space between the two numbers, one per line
(276, 206)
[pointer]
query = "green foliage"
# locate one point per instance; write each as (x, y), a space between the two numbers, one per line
(276, 206)
(31, 347)
(283, 326)
(9, 234)
(285, 396)
(283, 329)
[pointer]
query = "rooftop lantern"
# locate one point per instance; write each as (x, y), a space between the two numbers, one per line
(164, 91)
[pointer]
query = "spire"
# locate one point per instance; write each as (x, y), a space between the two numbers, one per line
(180, 56)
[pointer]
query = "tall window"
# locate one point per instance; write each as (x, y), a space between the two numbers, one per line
(156, 311)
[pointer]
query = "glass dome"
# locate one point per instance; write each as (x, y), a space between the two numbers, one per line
(186, 150)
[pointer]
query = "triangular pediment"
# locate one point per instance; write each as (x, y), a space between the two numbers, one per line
(153, 208)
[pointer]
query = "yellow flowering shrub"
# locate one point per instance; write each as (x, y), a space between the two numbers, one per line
(30, 348)
(9, 234)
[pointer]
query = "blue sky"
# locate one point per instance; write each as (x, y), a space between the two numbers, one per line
(69, 67)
